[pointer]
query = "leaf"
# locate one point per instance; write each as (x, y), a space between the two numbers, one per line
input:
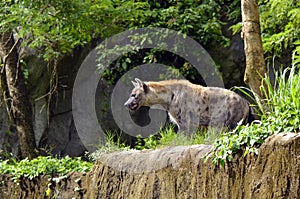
(237, 28)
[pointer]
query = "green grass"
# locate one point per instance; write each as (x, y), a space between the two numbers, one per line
(168, 137)
(113, 143)
(165, 137)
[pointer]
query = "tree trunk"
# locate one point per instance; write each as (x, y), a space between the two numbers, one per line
(255, 62)
(19, 102)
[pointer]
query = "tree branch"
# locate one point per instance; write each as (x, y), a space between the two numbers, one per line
(9, 53)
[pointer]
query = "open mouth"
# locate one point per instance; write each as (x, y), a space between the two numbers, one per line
(133, 106)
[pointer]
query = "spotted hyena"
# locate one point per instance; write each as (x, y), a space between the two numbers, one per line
(190, 105)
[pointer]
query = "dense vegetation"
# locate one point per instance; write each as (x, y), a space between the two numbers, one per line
(43, 165)
(55, 28)
(280, 24)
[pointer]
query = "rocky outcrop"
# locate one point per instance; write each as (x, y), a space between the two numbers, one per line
(53, 123)
(177, 172)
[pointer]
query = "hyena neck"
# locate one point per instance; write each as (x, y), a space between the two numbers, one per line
(159, 96)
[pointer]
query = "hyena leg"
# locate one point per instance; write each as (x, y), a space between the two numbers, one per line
(187, 127)
(217, 122)
(182, 126)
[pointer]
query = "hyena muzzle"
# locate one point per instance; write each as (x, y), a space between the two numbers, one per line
(191, 106)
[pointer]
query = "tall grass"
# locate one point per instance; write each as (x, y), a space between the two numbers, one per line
(169, 137)
(283, 101)
(165, 137)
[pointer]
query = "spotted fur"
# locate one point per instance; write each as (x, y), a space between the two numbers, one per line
(190, 105)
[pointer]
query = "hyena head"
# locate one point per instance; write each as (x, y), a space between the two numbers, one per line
(138, 95)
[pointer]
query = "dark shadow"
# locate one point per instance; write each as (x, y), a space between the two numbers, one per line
(141, 116)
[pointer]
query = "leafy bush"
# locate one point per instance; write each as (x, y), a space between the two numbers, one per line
(280, 22)
(280, 115)
(199, 19)
(43, 165)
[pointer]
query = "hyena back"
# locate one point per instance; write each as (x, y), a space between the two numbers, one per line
(189, 105)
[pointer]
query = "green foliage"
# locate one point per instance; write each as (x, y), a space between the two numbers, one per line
(233, 10)
(283, 100)
(150, 142)
(169, 137)
(237, 28)
(280, 24)
(166, 137)
(230, 143)
(296, 53)
(43, 166)
(199, 19)
(281, 115)
(57, 27)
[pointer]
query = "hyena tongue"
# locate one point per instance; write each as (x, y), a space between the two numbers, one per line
(133, 106)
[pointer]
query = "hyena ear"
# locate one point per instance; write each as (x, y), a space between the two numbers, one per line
(142, 84)
(145, 87)
(138, 83)
(135, 84)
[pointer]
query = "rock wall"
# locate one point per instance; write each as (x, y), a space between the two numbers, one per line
(53, 125)
(177, 172)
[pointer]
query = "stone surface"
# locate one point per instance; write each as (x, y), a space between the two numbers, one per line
(231, 60)
(53, 125)
(177, 172)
